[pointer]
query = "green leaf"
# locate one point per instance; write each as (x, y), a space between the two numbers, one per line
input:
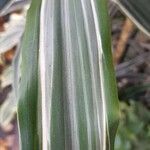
(28, 99)
(138, 11)
(68, 98)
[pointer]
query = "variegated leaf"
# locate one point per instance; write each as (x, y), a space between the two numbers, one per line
(68, 97)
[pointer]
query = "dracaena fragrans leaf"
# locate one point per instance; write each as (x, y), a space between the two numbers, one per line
(138, 11)
(68, 97)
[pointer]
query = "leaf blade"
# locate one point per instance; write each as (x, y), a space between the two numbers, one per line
(71, 98)
(27, 107)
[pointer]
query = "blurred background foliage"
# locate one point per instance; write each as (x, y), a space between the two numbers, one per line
(131, 51)
(134, 128)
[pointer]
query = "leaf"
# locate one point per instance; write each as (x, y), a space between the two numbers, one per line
(68, 97)
(138, 11)
(8, 39)
(17, 72)
(3, 3)
(12, 36)
(134, 127)
(8, 108)
(28, 94)
(7, 77)
(13, 6)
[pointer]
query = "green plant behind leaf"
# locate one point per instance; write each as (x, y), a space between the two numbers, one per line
(138, 11)
(134, 127)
